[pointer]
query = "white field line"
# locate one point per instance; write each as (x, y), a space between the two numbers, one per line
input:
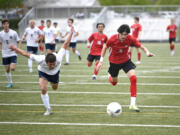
(87, 105)
(101, 76)
(89, 124)
(100, 93)
(100, 83)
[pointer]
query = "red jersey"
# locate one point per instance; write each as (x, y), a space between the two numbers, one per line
(172, 30)
(97, 43)
(136, 28)
(119, 49)
(41, 27)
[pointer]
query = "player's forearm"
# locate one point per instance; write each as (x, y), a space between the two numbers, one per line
(103, 52)
(22, 52)
(77, 34)
(145, 50)
(19, 44)
(66, 43)
(0, 47)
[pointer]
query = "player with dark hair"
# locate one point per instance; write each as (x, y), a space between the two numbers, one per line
(119, 59)
(48, 69)
(73, 42)
(95, 43)
(9, 58)
(136, 32)
(172, 28)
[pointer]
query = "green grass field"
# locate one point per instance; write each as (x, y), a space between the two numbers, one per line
(79, 104)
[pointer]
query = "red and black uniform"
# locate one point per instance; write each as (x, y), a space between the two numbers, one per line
(172, 32)
(97, 40)
(118, 56)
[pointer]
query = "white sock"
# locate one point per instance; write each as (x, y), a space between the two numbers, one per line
(67, 56)
(45, 99)
(77, 53)
(9, 77)
(30, 63)
(133, 101)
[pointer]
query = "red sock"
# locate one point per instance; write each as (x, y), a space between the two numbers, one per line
(129, 54)
(41, 48)
(133, 86)
(139, 56)
(110, 80)
(172, 47)
(95, 71)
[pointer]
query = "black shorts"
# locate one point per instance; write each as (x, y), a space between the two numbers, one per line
(91, 58)
(115, 68)
(50, 78)
(9, 60)
(32, 49)
(131, 45)
(72, 44)
(50, 46)
(172, 40)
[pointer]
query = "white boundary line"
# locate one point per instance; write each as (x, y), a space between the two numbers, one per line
(102, 76)
(101, 93)
(86, 105)
(101, 83)
(89, 124)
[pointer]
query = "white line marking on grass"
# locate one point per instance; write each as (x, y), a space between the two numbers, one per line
(100, 83)
(89, 124)
(103, 76)
(88, 105)
(101, 93)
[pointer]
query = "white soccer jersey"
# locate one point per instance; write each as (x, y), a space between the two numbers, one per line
(68, 29)
(6, 39)
(49, 34)
(32, 35)
(43, 67)
(58, 32)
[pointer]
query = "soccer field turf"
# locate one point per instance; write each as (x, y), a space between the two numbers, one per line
(79, 104)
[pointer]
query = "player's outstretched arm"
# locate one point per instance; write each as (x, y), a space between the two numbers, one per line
(103, 52)
(67, 41)
(20, 51)
(149, 54)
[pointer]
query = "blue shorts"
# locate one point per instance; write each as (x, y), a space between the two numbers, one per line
(32, 49)
(50, 46)
(57, 40)
(72, 44)
(9, 60)
(50, 78)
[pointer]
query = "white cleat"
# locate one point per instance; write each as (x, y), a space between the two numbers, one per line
(94, 77)
(172, 53)
(47, 112)
(30, 70)
(138, 62)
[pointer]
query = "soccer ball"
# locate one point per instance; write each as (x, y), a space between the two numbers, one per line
(114, 109)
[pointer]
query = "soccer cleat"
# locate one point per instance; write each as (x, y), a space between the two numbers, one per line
(66, 63)
(138, 62)
(134, 108)
(172, 53)
(9, 85)
(47, 112)
(79, 57)
(94, 77)
(30, 70)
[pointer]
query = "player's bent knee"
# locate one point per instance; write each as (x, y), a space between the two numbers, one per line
(54, 87)
(44, 91)
(89, 64)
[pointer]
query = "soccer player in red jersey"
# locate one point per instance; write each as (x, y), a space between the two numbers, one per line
(172, 28)
(136, 32)
(96, 42)
(119, 59)
(41, 46)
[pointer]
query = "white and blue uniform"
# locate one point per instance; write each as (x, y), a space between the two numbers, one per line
(6, 39)
(32, 35)
(52, 75)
